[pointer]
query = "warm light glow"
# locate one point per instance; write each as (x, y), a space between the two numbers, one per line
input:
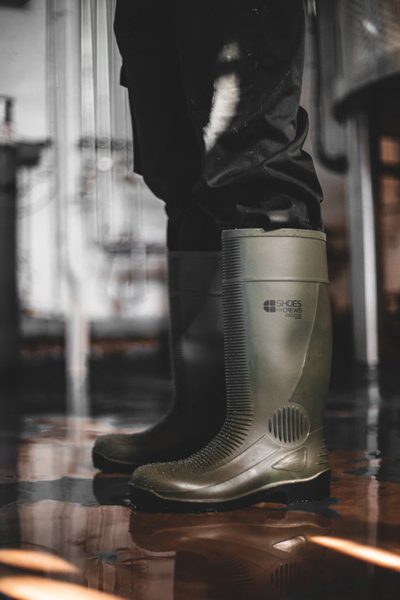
(37, 588)
(376, 556)
(36, 561)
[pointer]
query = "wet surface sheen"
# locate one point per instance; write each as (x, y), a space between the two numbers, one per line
(52, 501)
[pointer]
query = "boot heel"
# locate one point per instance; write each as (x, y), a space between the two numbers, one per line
(308, 491)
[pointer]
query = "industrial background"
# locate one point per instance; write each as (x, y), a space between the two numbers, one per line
(83, 299)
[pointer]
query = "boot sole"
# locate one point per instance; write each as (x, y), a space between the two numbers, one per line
(296, 493)
(102, 463)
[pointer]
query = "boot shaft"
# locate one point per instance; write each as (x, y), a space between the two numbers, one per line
(277, 333)
(196, 331)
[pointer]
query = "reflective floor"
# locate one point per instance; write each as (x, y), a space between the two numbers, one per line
(53, 505)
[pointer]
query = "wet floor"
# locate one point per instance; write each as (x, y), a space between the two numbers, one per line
(52, 502)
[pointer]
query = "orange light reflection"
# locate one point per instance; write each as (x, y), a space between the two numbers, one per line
(36, 561)
(37, 588)
(376, 556)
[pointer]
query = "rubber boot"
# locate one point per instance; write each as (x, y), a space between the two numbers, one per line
(198, 411)
(277, 327)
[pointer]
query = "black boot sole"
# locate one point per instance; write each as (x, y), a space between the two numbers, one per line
(296, 493)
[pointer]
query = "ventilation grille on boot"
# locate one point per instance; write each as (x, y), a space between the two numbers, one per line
(289, 425)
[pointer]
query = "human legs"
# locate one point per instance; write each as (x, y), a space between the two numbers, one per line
(238, 71)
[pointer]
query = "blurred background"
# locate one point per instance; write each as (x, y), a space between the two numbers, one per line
(83, 308)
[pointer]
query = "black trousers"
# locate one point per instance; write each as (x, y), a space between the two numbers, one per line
(214, 87)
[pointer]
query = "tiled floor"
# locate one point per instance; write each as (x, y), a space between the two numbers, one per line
(52, 501)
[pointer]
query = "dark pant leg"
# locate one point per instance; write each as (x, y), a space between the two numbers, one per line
(168, 145)
(167, 153)
(229, 71)
(242, 65)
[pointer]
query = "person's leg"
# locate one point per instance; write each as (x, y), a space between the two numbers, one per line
(168, 154)
(167, 145)
(277, 337)
(242, 67)
(260, 187)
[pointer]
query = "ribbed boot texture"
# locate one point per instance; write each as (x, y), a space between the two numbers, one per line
(277, 328)
(196, 337)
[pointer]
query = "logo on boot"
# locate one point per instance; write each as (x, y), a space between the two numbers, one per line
(289, 307)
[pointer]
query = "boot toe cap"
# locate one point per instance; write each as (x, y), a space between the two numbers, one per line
(114, 447)
(162, 478)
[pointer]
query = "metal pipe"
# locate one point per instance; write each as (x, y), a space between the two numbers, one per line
(337, 161)
(64, 35)
(363, 242)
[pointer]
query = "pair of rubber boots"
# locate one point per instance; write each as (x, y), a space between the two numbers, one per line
(253, 431)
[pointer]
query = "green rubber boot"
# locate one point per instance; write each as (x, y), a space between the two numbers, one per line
(198, 410)
(277, 327)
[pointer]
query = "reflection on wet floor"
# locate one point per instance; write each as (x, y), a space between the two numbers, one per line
(53, 502)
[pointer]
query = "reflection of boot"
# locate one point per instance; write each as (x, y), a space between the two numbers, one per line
(252, 554)
(198, 369)
(278, 351)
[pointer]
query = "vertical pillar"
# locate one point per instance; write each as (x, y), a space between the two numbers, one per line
(8, 260)
(363, 242)
(64, 47)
